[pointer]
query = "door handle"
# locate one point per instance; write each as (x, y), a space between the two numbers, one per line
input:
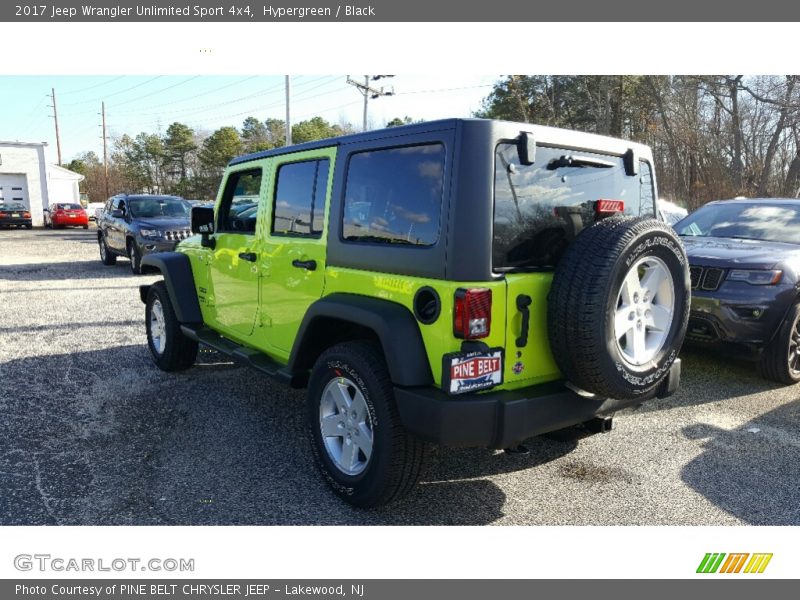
(523, 302)
(309, 265)
(249, 256)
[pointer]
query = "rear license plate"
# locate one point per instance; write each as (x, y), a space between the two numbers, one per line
(14, 214)
(72, 216)
(472, 371)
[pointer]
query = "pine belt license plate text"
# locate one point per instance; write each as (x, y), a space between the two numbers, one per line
(469, 372)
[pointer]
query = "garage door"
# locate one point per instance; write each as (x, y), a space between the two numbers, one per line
(14, 188)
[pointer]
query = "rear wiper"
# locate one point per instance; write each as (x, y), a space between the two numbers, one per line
(579, 161)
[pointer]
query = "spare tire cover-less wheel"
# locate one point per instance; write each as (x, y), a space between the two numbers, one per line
(618, 307)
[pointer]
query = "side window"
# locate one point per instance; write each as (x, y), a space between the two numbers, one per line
(299, 203)
(239, 208)
(394, 195)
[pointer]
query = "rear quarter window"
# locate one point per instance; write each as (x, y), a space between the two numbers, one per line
(394, 195)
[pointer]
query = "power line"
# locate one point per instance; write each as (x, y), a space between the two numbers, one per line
(91, 87)
(169, 87)
(257, 109)
(32, 116)
(468, 87)
(191, 98)
(106, 96)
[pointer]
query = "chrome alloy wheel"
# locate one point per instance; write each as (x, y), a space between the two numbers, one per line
(158, 334)
(346, 426)
(644, 311)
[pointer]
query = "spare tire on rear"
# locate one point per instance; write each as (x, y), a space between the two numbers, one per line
(618, 307)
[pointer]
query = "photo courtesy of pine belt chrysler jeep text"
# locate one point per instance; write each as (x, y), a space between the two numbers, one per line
(458, 282)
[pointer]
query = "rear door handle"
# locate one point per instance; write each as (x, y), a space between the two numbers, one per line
(249, 256)
(310, 265)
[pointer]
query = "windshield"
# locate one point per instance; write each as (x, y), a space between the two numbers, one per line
(539, 208)
(68, 207)
(761, 220)
(13, 206)
(149, 208)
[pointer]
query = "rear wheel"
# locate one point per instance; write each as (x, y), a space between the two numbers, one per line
(359, 443)
(28, 225)
(135, 258)
(107, 257)
(170, 348)
(781, 358)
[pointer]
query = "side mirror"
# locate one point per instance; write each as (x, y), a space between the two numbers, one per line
(526, 148)
(203, 223)
(117, 213)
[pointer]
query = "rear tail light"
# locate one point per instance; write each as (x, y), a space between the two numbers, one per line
(606, 208)
(26, 215)
(472, 317)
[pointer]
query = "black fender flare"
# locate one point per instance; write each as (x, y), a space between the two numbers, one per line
(393, 324)
(177, 272)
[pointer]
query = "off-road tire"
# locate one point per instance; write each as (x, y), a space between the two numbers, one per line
(397, 459)
(179, 352)
(107, 257)
(583, 301)
(776, 359)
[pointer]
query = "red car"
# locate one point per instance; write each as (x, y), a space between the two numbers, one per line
(66, 215)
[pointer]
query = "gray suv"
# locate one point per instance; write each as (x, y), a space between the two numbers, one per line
(136, 225)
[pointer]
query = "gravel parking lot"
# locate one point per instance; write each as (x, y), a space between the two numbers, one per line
(91, 433)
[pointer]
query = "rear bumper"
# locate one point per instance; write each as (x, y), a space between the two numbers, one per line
(76, 222)
(15, 221)
(502, 419)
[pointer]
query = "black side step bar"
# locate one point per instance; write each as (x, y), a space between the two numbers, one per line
(244, 355)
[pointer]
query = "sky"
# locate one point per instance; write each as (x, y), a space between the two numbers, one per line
(151, 103)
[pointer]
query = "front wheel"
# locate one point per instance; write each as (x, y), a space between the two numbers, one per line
(359, 443)
(170, 348)
(781, 358)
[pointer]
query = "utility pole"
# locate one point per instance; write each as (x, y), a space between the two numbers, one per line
(55, 116)
(369, 92)
(288, 113)
(105, 146)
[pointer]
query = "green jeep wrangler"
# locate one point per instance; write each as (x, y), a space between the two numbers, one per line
(462, 282)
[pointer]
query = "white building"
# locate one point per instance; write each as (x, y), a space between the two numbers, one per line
(26, 177)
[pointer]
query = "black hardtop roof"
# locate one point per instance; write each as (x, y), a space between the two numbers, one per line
(376, 134)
